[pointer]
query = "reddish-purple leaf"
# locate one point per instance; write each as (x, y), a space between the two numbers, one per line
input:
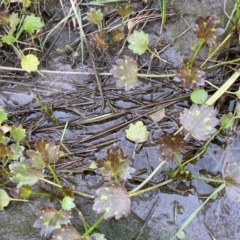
(113, 200)
(190, 77)
(171, 144)
(48, 150)
(99, 40)
(66, 232)
(50, 219)
(115, 164)
(206, 28)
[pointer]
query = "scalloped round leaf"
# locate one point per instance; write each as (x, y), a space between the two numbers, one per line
(199, 95)
(95, 16)
(3, 115)
(232, 176)
(227, 121)
(139, 41)
(126, 72)
(18, 133)
(118, 35)
(32, 23)
(206, 28)
(125, 10)
(23, 173)
(36, 159)
(50, 219)
(113, 200)
(99, 40)
(199, 121)
(68, 203)
(4, 199)
(30, 63)
(66, 232)
(137, 132)
(115, 164)
(171, 144)
(16, 150)
(48, 150)
(190, 77)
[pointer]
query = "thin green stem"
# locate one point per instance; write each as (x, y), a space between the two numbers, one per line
(134, 150)
(201, 43)
(60, 186)
(53, 174)
(204, 147)
(209, 179)
(131, 194)
(178, 162)
(99, 220)
(147, 179)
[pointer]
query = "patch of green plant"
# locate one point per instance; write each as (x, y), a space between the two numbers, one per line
(15, 26)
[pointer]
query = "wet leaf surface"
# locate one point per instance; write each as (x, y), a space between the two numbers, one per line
(199, 121)
(113, 201)
(170, 144)
(232, 177)
(50, 219)
(115, 164)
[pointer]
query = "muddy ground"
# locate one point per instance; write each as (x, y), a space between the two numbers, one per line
(75, 97)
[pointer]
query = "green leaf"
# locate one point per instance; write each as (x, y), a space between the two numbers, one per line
(8, 39)
(115, 164)
(139, 41)
(30, 63)
(137, 132)
(50, 219)
(16, 150)
(199, 121)
(3, 115)
(23, 173)
(126, 72)
(14, 21)
(199, 96)
(4, 199)
(227, 121)
(32, 23)
(95, 16)
(68, 203)
(113, 201)
(18, 133)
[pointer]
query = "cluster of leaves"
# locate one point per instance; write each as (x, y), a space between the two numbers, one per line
(99, 39)
(15, 25)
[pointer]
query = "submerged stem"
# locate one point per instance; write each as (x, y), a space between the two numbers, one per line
(147, 179)
(99, 220)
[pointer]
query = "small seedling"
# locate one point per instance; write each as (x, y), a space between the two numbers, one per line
(190, 77)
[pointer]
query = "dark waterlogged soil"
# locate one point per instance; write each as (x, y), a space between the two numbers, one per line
(75, 97)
